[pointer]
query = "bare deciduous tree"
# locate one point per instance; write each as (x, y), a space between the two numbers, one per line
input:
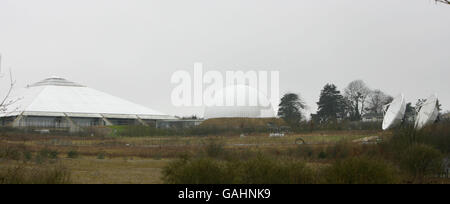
(6, 100)
(357, 93)
(377, 99)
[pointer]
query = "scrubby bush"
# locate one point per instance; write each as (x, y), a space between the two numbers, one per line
(48, 154)
(42, 156)
(238, 154)
(421, 160)
(101, 155)
(27, 156)
(265, 170)
(53, 154)
(44, 153)
(15, 152)
(214, 148)
(73, 154)
(436, 135)
(361, 170)
(258, 170)
(10, 152)
(419, 153)
(38, 175)
(301, 151)
(322, 155)
(197, 171)
(402, 138)
(340, 150)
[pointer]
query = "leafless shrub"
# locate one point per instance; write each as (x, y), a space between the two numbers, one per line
(56, 174)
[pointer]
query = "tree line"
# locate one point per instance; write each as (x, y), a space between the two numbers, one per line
(356, 101)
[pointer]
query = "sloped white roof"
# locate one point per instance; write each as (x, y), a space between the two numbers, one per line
(57, 96)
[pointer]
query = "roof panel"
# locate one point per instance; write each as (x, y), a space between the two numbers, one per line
(51, 97)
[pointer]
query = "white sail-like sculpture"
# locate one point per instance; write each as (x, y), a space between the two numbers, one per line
(395, 112)
(428, 112)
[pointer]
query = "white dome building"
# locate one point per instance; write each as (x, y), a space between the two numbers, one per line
(239, 101)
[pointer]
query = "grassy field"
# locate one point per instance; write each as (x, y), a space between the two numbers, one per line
(91, 170)
(173, 146)
(173, 141)
(141, 159)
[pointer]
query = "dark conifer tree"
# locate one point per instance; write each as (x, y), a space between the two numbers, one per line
(331, 104)
(290, 109)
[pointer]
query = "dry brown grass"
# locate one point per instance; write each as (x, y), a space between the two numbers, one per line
(141, 159)
(90, 170)
(172, 146)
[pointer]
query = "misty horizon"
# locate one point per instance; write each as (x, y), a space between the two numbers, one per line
(130, 49)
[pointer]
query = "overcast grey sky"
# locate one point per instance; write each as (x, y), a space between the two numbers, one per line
(130, 48)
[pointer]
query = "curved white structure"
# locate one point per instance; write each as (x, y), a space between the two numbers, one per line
(395, 112)
(54, 101)
(428, 112)
(239, 101)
